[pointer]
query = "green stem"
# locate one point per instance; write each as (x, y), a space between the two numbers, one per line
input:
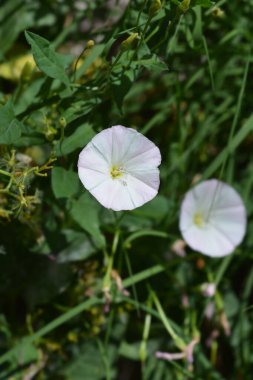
(232, 130)
(145, 335)
(140, 42)
(6, 191)
(143, 275)
(76, 63)
(84, 306)
(222, 269)
(116, 60)
(129, 268)
(141, 10)
(168, 30)
(139, 234)
(51, 326)
(177, 340)
(104, 355)
(209, 63)
(115, 242)
(5, 173)
(107, 278)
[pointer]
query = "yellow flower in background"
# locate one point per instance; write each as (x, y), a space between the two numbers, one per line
(13, 69)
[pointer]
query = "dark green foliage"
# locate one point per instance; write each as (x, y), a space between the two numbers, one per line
(86, 293)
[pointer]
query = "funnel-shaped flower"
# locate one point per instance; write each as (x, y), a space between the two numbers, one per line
(213, 218)
(119, 168)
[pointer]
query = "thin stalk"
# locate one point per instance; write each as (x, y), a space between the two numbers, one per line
(176, 338)
(5, 173)
(232, 130)
(140, 42)
(139, 234)
(129, 268)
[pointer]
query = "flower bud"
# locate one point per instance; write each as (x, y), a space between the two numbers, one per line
(154, 7)
(90, 44)
(217, 12)
(62, 122)
(184, 5)
(128, 43)
(208, 289)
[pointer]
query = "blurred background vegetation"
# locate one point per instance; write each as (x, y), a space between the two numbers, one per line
(87, 293)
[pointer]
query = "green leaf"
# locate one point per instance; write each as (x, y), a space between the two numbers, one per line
(81, 136)
(121, 85)
(239, 137)
(88, 362)
(231, 304)
(65, 183)
(130, 350)
(25, 352)
(15, 17)
(10, 128)
(29, 141)
(11, 133)
(47, 278)
(85, 212)
(203, 3)
(29, 96)
(46, 58)
(157, 209)
(79, 108)
(6, 114)
(153, 64)
(80, 247)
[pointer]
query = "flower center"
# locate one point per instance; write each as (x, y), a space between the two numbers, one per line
(116, 171)
(198, 219)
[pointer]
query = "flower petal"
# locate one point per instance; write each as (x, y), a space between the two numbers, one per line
(91, 178)
(133, 155)
(142, 154)
(208, 241)
(90, 158)
(131, 149)
(114, 143)
(120, 195)
(142, 191)
(149, 177)
(114, 195)
(92, 167)
(224, 218)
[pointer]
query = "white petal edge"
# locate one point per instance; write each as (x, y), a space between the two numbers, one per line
(139, 157)
(227, 221)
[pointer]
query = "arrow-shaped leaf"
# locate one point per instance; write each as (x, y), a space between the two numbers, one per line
(46, 58)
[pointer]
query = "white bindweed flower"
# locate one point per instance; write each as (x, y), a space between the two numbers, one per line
(119, 167)
(213, 218)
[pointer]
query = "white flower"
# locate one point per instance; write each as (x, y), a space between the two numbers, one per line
(208, 289)
(119, 168)
(213, 218)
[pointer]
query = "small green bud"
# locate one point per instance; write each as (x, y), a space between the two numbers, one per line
(217, 12)
(154, 7)
(90, 44)
(50, 133)
(184, 5)
(62, 122)
(129, 42)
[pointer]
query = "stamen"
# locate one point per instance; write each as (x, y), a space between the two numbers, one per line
(116, 171)
(198, 219)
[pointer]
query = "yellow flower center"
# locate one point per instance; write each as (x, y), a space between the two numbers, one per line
(116, 172)
(198, 219)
